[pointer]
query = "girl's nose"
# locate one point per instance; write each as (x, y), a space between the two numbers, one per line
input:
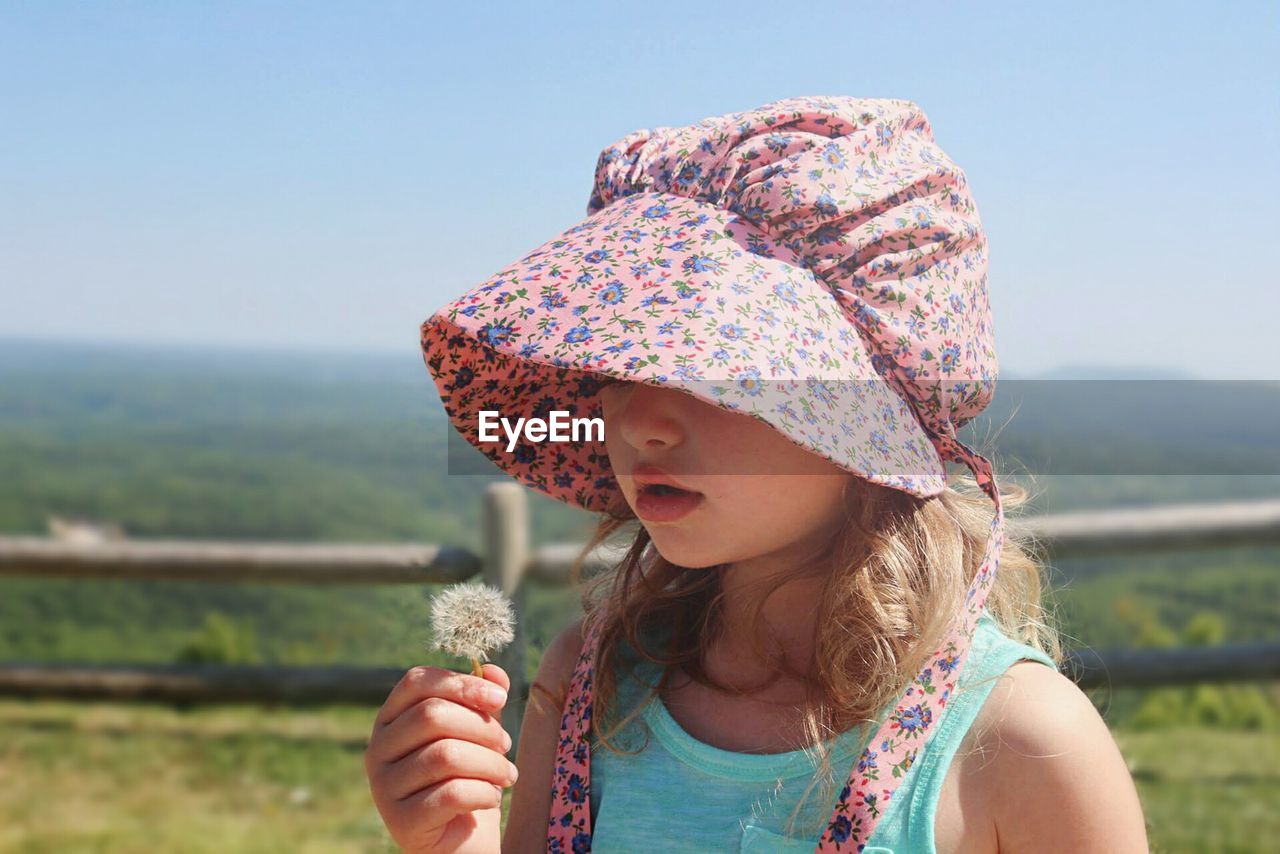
(644, 416)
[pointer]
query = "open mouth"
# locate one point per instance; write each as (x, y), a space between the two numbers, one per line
(661, 502)
(664, 489)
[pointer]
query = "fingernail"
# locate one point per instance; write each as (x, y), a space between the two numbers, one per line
(506, 740)
(495, 695)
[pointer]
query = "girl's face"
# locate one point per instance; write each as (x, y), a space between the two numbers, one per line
(762, 495)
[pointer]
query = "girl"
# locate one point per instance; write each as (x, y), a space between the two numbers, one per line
(842, 578)
(813, 642)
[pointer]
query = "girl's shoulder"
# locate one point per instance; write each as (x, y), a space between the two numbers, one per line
(1041, 755)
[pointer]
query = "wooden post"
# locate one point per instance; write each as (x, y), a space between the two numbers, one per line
(506, 557)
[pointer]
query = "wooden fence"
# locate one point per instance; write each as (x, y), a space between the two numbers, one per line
(509, 561)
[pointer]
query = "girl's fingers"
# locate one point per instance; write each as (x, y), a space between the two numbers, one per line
(443, 759)
(494, 673)
(450, 798)
(419, 683)
(435, 718)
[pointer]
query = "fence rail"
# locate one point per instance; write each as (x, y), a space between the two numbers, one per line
(509, 562)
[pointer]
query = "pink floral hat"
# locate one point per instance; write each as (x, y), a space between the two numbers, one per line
(817, 263)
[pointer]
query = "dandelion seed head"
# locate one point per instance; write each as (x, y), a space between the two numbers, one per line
(472, 620)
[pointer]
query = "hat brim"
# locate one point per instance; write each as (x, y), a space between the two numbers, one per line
(678, 293)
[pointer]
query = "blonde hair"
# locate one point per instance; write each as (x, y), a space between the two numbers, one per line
(895, 577)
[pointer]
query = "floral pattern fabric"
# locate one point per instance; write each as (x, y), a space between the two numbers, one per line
(817, 263)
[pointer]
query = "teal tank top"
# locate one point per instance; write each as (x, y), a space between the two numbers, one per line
(681, 794)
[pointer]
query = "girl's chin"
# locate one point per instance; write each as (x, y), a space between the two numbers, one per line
(686, 549)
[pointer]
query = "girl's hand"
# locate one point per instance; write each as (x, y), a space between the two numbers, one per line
(436, 762)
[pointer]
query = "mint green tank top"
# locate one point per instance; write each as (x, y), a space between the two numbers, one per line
(681, 794)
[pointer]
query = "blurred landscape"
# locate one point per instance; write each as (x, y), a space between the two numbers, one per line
(231, 445)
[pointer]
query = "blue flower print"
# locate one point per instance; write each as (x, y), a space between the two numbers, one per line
(828, 233)
(826, 205)
(833, 156)
(913, 719)
(701, 264)
(880, 442)
(753, 213)
(689, 176)
(496, 334)
(749, 381)
(884, 135)
(786, 292)
(612, 293)
(841, 829)
(950, 356)
(553, 300)
(689, 372)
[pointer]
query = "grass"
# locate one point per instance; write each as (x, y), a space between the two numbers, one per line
(118, 777)
(1206, 790)
(115, 777)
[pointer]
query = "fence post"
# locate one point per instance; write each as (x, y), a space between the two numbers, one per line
(506, 557)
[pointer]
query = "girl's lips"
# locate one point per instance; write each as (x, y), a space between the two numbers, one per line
(666, 506)
(646, 474)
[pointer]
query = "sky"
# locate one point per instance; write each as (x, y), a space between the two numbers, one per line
(310, 176)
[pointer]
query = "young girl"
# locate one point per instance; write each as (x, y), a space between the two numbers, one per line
(813, 642)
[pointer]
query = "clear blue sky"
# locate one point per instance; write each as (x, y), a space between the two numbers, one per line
(313, 175)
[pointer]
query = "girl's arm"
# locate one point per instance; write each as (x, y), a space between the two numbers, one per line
(1058, 778)
(539, 734)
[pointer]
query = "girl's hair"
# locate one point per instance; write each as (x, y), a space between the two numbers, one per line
(895, 576)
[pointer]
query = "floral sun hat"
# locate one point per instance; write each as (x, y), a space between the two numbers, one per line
(817, 263)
